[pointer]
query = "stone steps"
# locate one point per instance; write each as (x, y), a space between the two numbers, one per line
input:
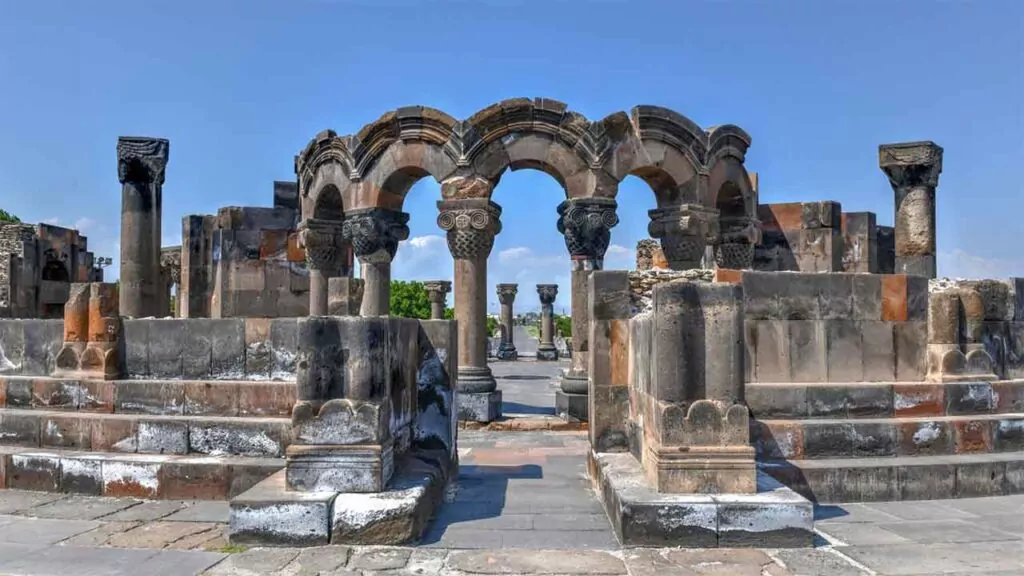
(156, 397)
(882, 399)
(902, 477)
(148, 476)
(144, 433)
(880, 437)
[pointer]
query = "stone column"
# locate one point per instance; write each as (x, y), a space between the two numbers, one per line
(913, 170)
(739, 235)
(684, 231)
(586, 224)
(141, 163)
(547, 350)
(437, 293)
(471, 225)
(375, 234)
(507, 295)
(325, 258)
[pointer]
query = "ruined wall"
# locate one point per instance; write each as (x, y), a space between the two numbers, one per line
(994, 320)
(803, 236)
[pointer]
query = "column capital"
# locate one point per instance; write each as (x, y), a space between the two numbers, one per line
(471, 225)
(142, 160)
(323, 243)
(437, 290)
(684, 231)
(586, 224)
(547, 293)
(507, 293)
(375, 232)
(911, 164)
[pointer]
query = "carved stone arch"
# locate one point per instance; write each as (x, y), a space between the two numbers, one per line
(727, 141)
(328, 203)
(729, 178)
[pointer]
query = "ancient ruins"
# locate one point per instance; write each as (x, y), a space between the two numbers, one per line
(761, 357)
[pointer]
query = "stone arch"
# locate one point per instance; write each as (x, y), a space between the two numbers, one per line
(328, 204)
(727, 180)
(324, 162)
(55, 271)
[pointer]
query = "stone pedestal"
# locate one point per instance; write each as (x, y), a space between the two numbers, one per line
(93, 334)
(546, 350)
(437, 294)
(141, 164)
(684, 232)
(955, 350)
(375, 234)
(507, 347)
(913, 170)
(325, 250)
(471, 225)
(586, 224)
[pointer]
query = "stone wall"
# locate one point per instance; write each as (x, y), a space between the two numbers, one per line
(993, 320)
(30, 347)
(804, 236)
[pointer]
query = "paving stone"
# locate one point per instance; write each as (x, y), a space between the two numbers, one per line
(99, 562)
(423, 561)
(145, 512)
(157, 534)
(380, 559)
(815, 562)
(650, 562)
(213, 539)
(100, 535)
(736, 562)
(858, 534)
(535, 562)
(256, 561)
(850, 513)
(947, 531)
(42, 531)
(920, 510)
(83, 508)
(314, 561)
(559, 539)
(200, 511)
(969, 558)
(471, 539)
(12, 501)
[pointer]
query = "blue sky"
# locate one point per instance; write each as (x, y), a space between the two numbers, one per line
(240, 87)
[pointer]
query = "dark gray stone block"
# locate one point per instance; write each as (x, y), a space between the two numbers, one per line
(19, 392)
(771, 351)
(835, 296)
(917, 298)
(828, 441)
(270, 515)
(926, 482)
(43, 340)
(197, 349)
(1008, 435)
(873, 401)
(166, 344)
(284, 344)
(807, 351)
(844, 354)
(12, 346)
(761, 295)
(800, 297)
(969, 398)
(827, 401)
(878, 353)
(228, 358)
(910, 340)
(136, 344)
(867, 296)
(777, 402)
(873, 439)
(479, 406)
(978, 479)
(571, 407)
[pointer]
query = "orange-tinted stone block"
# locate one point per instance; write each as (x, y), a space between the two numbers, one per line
(296, 253)
(619, 337)
(894, 297)
(104, 328)
(103, 300)
(273, 244)
(95, 396)
(973, 436)
(787, 216)
(918, 400)
(76, 314)
(727, 276)
(272, 399)
(113, 434)
(211, 398)
(190, 481)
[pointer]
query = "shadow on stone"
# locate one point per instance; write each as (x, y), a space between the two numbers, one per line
(519, 408)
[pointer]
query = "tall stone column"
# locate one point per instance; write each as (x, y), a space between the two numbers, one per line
(913, 170)
(325, 259)
(375, 234)
(586, 224)
(684, 231)
(547, 350)
(507, 348)
(437, 293)
(141, 163)
(471, 225)
(738, 237)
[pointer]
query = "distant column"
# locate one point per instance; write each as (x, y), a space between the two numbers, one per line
(547, 350)
(141, 163)
(375, 234)
(437, 293)
(913, 170)
(507, 296)
(325, 255)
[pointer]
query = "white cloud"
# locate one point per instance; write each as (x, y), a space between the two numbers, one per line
(960, 264)
(54, 221)
(83, 224)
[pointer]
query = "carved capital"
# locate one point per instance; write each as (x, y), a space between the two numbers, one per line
(547, 293)
(375, 233)
(437, 290)
(324, 245)
(911, 164)
(586, 224)
(684, 231)
(507, 293)
(142, 160)
(740, 230)
(471, 226)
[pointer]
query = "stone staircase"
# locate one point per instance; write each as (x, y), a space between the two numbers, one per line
(868, 441)
(165, 439)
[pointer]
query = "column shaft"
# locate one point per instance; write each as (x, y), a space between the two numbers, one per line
(913, 170)
(546, 350)
(141, 163)
(471, 313)
(375, 234)
(377, 288)
(317, 292)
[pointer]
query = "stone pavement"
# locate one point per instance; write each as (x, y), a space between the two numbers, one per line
(527, 386)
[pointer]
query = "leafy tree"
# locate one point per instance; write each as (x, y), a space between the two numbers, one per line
(409, 300)
(6, 216)
(563, 325)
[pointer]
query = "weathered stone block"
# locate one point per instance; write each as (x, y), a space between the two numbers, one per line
(19, 429)
(1008, 435)
(250, 437)
(197, 347)
(894, 298)
(284, 342)
(873, 439)
(919, 400)
(800, 297)
(926, 482)
(366, 468)
(211, 398)
(972, 436)
(924, 438)
(265, 399)
(114, 434)
(835, 296)
(162, 437)
(479, 406)
(149, 397)
(228, 358)
(138, 478)
(65, 431)
(269, 515)
(42, 343)
(12, 346)
(257, 348)
(969, 398)
(38, 471)
(761, 295)
(867, 296)
(844, 353)
(979, 479)
(772, 351)
(827, 401)
(878, 352)
(136, 344)
(783, 402)
(910, 341)
(166, 348)
(871, 401)
(82, 475)
(807, 351)
(194, 479)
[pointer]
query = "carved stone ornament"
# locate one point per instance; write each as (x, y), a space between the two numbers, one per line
(547, 293)
(684, 231)
(375, 232)
(911, 164)
(437, 290)
(471, 226)
(142, 160)
(586, 224)
(507, 293)
(323, 243)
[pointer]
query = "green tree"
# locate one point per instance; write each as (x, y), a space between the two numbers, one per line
(409, 300)
(492, 323)
(563, 325)
(6, 216)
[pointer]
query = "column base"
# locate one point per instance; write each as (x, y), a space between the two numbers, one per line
(474, 379)
(547, 353)
(572, 407)
(479, 406)
(335, 468)
(575, 382)
(507, 352)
